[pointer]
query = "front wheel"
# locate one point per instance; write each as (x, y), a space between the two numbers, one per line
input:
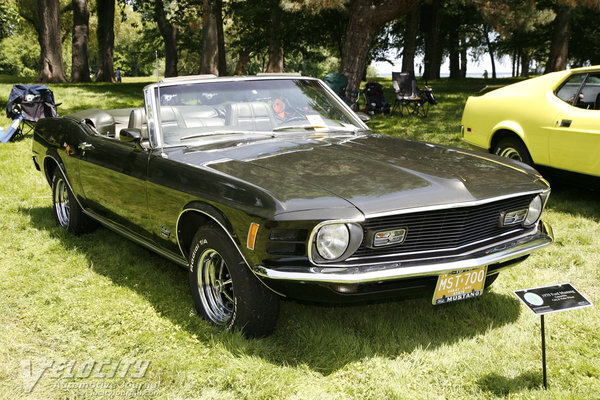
(514, 149)
(490, 279)
(225, 291)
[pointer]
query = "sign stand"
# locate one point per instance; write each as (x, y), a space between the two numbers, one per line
(544, 351)
(549, 299)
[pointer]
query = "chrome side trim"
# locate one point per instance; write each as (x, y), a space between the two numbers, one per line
(119, 229)
(397, 270)
(451, 206)
(137, 239)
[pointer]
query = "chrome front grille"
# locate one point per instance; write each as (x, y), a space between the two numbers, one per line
(443, 232)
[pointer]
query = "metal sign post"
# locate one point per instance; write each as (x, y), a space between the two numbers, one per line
(549, 299)
(544, 351)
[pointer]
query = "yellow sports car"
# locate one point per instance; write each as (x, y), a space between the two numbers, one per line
(550, 121)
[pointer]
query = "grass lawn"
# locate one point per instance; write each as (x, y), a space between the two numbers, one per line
(97, 316)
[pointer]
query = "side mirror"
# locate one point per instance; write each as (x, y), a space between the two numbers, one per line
(130, 135)
(363, 117)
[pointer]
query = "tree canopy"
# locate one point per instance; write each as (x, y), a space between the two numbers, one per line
(56, 40)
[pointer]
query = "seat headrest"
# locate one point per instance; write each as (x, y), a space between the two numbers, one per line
(137, 120)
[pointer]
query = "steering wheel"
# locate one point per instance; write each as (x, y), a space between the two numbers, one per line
(284, 111)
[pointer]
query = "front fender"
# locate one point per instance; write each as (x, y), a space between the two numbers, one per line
(195, 214)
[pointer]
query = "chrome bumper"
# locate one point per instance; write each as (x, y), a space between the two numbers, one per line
(381, 272)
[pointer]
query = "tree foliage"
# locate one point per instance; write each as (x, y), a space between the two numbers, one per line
(9, 19)
(311, 36)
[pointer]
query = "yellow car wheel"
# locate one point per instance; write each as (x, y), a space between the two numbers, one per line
(512, 148)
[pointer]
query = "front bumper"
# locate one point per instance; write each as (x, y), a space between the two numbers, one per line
(499, 253)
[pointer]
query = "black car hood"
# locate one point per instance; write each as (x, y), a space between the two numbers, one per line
(374, 173)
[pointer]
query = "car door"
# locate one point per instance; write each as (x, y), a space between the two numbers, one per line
(574, 143)
(113, 179)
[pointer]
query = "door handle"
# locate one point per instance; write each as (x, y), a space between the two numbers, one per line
(85, 146)
(565, 123)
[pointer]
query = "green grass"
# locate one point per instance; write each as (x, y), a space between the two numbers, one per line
(99, 297)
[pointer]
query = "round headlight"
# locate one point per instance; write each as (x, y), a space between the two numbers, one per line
(535, 210)
(332, 241)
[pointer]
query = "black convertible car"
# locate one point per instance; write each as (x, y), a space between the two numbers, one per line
(270, 186)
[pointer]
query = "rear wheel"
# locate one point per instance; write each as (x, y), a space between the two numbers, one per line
(67, 212)
(512, 148)
(225, 292)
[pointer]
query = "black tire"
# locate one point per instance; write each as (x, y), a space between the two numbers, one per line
(512, 148)
(490, 279)
(225, 291)
(67, 212)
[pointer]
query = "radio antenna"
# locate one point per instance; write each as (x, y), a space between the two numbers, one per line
(158, 114)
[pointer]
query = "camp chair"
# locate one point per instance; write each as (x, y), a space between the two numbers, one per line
(338, 82)
(374, 99)
(27, 104)
(409, 98)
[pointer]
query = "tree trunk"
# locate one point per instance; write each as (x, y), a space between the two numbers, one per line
(454, 55)
(463, 57)
(514, 62)
(366, 19)
(242, 62)
(275, 41)
(106, 40)
(80, 67)
(433, 52)
(525, 61)
(168, 31)
(51, 62)
(453, 42)
(559, 48)
(455, 64)
(221, 38)
(410, 40)
(210, 39)
(491, 52)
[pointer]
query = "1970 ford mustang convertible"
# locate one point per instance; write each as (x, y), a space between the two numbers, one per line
(270, 186)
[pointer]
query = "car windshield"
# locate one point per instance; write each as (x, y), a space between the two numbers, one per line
(195, 112)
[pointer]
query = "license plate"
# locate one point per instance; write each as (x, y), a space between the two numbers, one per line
(459, 285)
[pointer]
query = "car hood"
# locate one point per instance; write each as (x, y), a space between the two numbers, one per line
(374, 173)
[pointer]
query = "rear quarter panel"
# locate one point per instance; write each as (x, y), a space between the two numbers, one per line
(528, 109)
(55, 141)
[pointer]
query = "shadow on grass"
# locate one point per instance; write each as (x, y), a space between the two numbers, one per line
(324, 338)
(575, 198)
(503, 386)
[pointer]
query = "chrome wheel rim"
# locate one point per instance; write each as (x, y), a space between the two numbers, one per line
(215, 287)
(510, 152)
(61, 202)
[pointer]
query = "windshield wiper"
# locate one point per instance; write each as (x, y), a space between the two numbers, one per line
(225, 132)
(297, 127)
(354, 130)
